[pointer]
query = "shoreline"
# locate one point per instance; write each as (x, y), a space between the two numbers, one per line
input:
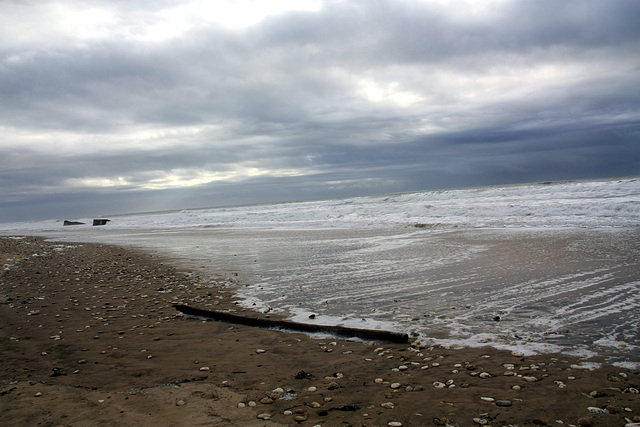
(89, 336)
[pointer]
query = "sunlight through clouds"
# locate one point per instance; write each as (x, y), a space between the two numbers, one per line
(389, 92)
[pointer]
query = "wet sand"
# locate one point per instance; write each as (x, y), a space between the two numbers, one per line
(89, 336)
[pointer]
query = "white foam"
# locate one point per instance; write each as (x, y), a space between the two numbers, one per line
(605, 203)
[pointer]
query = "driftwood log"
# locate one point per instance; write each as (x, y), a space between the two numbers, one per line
(343, 331)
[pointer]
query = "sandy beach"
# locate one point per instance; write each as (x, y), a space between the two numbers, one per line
(89, 336)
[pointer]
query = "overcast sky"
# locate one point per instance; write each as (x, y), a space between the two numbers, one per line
(128, 106)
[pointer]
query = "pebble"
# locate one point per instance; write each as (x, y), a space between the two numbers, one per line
(242, 405)
(530, 379)
(252, 403)
(38, 394)
(312, 389)
(515, 387)
(205, 368)
(503, 403)
(278, 390)
(395, 385)
(388, 405)
(287, 412)
(484, 375)
(266, 401)
(394, 424)
(315, 405)
(438, 384)
(299, 418)
(261, 350)
(488, 399)
(378, 381)
(264, 416)
(180, 402)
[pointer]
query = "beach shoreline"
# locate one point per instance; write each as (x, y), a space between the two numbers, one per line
(90, 336)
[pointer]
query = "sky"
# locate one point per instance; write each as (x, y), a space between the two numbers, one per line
(113, 107)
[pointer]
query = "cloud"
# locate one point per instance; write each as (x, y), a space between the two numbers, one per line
(308, 99)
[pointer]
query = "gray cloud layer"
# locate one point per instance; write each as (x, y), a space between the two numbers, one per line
(119, 107)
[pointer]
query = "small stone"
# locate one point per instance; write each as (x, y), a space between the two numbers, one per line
(484, 375)
(299, 418)
(378, 381)
(266, 401)
(515, 387)
(388, 405)
(530, 379)
(503, 403)
(287, 412)
(596, 410)
(584, 422)
(278, 390)
(488, 399)
(438, 384)
(403, 367)
(38, 394)
(242, 405)
(261, 350)
(396, 385)
(312, 389)
(275, 396)
(394, 424)
(251, 403)
(180, 402)
(264, 416)
(315, 405)
(205, 368)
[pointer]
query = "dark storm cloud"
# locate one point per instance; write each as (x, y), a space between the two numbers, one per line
(354, 98)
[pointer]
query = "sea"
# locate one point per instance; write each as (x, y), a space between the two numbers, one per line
(549, 267)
